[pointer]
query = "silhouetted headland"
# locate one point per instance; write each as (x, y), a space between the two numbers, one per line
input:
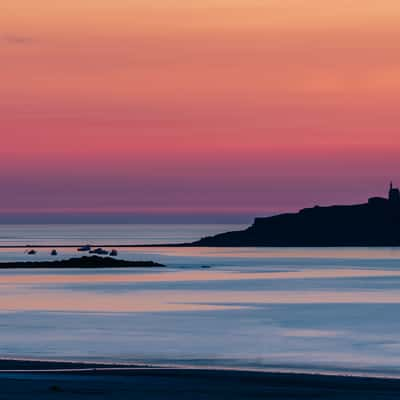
(375, 223)
(82, 262)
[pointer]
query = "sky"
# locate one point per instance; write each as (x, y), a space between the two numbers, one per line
(195, 109)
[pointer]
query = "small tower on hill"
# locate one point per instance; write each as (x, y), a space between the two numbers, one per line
(394, 194)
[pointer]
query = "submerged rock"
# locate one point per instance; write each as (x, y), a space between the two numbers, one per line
(99, 251)
(84, 248)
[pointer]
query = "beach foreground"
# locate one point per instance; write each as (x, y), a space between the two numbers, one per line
(26, 380)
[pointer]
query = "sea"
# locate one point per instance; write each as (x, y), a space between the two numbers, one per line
(318, 310)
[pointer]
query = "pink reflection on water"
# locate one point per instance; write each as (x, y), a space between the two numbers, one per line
(171, 300)
(186, 276)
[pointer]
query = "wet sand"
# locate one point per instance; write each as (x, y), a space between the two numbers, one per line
(90, 381)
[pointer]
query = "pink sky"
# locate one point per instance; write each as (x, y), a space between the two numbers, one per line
(197, 107)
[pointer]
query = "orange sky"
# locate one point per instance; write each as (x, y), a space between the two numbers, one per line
(197, 105)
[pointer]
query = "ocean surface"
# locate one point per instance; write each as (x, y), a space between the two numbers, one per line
(289, 309)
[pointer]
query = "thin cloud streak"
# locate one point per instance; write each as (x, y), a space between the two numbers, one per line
(16, 39)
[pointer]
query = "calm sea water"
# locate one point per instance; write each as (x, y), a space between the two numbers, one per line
(330, 310)
(123, 234)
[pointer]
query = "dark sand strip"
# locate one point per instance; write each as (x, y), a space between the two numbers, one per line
(156, 384)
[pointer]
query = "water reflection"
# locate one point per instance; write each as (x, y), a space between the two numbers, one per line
(304, 309)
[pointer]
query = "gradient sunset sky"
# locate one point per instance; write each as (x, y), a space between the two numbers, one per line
(196, 107)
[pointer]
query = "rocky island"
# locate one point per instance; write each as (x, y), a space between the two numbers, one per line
(91, 262)
(375, 223)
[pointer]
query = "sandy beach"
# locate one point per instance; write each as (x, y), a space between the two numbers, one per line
(50, 380)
